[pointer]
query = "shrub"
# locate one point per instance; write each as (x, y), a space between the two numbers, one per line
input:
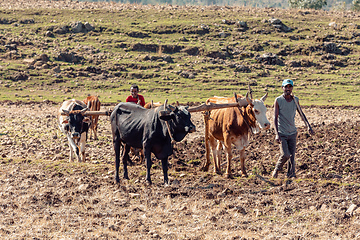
(356, 5)
(308, 4)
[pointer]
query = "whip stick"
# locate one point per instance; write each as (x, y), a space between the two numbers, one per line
(302, 115)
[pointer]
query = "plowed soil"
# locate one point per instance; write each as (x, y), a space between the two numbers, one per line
(43, 196)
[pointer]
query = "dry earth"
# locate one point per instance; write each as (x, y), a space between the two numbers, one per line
(43, 196)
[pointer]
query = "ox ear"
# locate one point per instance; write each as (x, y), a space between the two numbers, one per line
(65, 121)
(87, 120)
(166, 116)
(264, 97)
(172, 108)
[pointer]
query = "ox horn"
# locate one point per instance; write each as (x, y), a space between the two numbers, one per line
(248, 99)
(264, 97)
(152, 104)
(168, 106)
(164, 113)
(83, 111)
(66, 112)
(250, 91)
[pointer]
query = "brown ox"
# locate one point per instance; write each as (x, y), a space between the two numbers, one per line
(152, 105)
(93, 104)
(232, 126)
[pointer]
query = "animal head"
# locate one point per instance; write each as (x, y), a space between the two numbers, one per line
(181, 119)
(257, 109)
(75, 122)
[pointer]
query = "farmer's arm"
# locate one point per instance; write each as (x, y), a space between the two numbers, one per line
(276, 116)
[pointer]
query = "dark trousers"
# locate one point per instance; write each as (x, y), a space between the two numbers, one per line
(287, 151)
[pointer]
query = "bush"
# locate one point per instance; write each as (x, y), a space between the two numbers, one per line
(310, 4)
(356, 5)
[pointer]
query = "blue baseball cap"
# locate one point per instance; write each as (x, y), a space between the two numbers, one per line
(286, 82)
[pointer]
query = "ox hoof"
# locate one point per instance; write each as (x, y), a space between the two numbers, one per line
(130, 162)
(228, 176)
(205, 169)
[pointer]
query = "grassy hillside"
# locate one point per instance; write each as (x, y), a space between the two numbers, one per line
(181, 53)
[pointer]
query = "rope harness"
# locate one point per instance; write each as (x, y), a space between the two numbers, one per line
(171, 137)
(242, 114)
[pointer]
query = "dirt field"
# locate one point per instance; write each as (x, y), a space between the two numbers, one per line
(43, 196)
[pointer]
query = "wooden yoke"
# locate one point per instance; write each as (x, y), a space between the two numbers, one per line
(105, 113)
(212, 106)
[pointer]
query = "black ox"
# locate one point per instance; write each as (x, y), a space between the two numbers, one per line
(154, 130)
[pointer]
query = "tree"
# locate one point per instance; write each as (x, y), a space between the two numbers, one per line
(356, 5)
(312, 4)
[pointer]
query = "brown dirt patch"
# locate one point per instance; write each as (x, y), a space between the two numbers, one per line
(45, 197)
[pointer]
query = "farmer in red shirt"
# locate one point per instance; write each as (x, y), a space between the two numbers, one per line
(135, 97)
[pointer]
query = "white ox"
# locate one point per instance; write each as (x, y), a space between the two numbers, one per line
(75, 126)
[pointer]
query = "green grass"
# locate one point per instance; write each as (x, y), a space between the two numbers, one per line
(110, 49)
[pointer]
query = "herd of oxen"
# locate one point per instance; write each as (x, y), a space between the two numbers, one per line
(154, 129)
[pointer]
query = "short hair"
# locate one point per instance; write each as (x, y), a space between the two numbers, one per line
(134, 86)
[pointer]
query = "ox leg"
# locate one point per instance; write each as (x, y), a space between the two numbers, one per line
(95, 127)
(71, 155)
(148, 161)
(165, 167)
(95, 134)
(137, 153)
(141, 156)
(73, 148)
(213, 146)
(117, 144)
(227, 145)
(218, 153)
(90, 132)
(90, 127)
(82, 146)
(125, 157)
(242, 162)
